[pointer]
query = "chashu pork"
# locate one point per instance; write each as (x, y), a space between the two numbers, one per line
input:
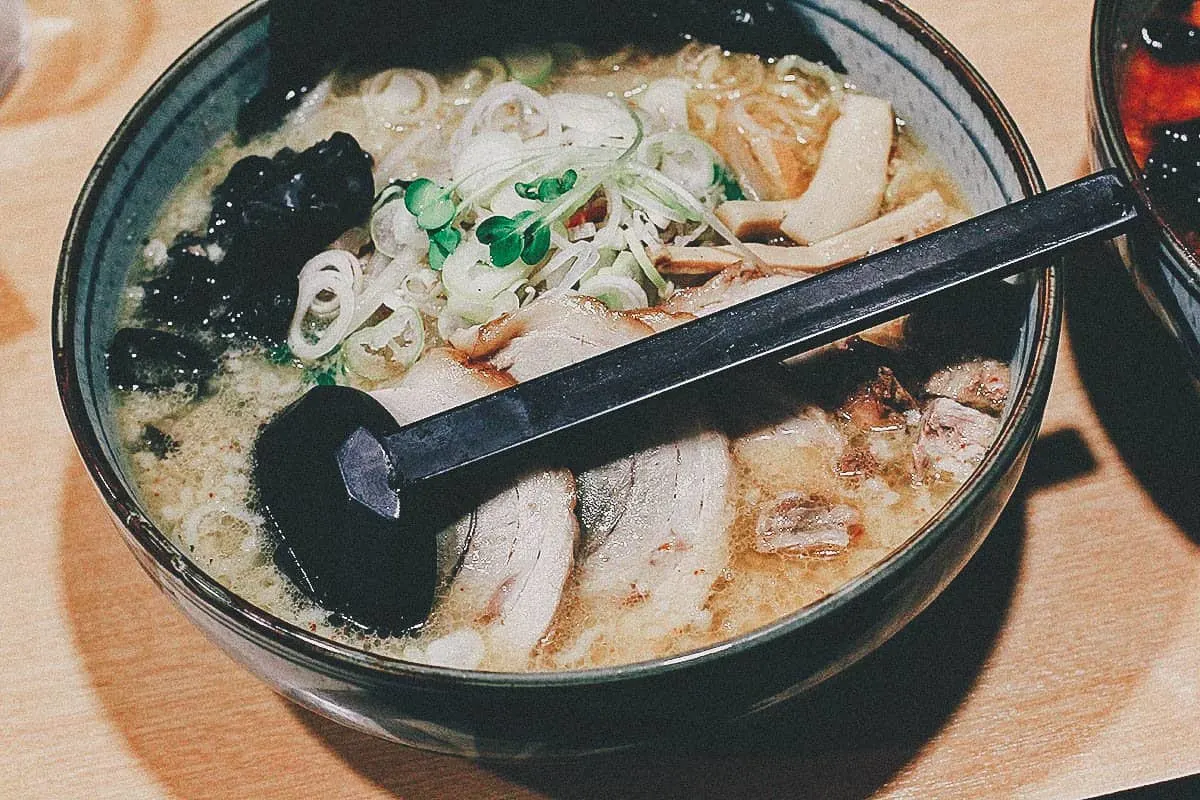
(504, 565)
(655, 539)
(727, 288)
(556, 331)
(655, 523)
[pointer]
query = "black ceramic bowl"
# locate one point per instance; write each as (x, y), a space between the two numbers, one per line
(1166, 272)
(888, 51)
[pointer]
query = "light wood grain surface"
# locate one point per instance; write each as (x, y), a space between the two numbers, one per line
(1062, 663)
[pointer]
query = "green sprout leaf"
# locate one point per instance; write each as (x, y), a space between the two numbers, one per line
(429, 203)
(499, 233)
(435, 211)
(506, 249)
(524, 236)
(419, 194)
(494, 228)
(442, 243)
(549, 188)
(527, 190)
(437, 215)
(537, 243)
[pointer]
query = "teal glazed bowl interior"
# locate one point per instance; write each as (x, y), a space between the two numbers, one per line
(1164, 269)
(888, 51)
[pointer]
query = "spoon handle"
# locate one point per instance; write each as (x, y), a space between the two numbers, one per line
(804, 315)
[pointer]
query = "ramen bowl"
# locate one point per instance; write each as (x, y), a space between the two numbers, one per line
(889, 51)
(1164, 269)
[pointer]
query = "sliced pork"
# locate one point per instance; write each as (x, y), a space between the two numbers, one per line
(953, 439)
(552, 332)
(800, 524)
(440, 380)
(521, 548)
(981, 383)
(655, 538)
(504, 565)
(735, 285)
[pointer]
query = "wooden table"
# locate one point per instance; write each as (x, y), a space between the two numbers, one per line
(1062, 663)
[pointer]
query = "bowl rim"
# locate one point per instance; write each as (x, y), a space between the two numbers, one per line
(301, 646)
(1102, 50)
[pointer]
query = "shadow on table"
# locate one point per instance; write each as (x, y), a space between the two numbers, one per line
(1134, 376)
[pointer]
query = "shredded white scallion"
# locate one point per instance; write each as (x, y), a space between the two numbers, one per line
(509, 106)
(533, 162)
(387, 348)
(401, 96)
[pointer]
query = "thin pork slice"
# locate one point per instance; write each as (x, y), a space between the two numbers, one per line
(727, 288)
(803, 525)
(555, 331)
(655, 539)
(981, 383)
(505, 564)
(521, 548)
(442, 379)
(953, 439)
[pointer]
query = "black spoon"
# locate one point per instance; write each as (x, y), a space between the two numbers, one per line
(358, 500)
